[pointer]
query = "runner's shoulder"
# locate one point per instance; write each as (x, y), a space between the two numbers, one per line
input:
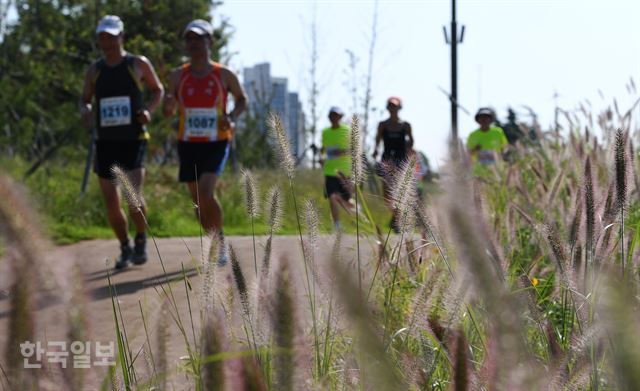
(140, 59)
(225, 71)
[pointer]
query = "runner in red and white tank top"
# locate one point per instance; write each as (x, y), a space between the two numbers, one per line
(202, 103)
(199, 91)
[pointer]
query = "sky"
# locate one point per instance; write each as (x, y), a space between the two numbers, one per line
(515, 53)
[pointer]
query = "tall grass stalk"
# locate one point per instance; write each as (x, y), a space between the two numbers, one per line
(284, 323)
(403, 196)
(135, 201)
(283, 151)
(357, 176)
(621, 161)
(251, 201)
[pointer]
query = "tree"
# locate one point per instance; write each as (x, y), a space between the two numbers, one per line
(45, 52)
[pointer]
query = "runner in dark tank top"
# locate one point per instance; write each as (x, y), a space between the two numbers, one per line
(397, 140)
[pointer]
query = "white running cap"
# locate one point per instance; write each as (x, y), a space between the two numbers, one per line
(200, 27)
(110, 24)
(337, 110)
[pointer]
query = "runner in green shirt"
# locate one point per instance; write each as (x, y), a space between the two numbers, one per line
(486, 143)
(337, 165)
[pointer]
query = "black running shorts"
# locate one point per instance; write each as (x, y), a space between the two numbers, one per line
(129, 155)
(201, 157)
(334, 185)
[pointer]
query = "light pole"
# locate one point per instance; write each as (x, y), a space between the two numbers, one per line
(454, 41)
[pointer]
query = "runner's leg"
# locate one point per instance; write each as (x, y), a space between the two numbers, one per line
(210, 211)
(334, 203)
(115, 214)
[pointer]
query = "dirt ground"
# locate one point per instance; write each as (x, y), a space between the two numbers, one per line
(143, 286)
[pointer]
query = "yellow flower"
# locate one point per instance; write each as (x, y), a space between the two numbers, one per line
(534, 281)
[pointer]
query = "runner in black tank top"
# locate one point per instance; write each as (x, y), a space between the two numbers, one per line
(395, 142)
(116, 81)
(118, 99)
(398, 140)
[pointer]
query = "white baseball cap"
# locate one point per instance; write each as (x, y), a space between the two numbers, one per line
(337, 110)
(200, 27)
(110, 24)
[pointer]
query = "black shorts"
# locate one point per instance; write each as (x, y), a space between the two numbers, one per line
(200, 158)
(129, 155)
(332, 184)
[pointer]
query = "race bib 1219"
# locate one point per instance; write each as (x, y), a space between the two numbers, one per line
(115, 111)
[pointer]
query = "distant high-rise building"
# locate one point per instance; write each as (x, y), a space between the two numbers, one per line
(271, 94)
(296, 124)
(280, 100)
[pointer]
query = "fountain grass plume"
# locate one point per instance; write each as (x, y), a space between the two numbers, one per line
(252, 205)
(241, 284)
(622, 330)
(590, 212)
(274, 212)
(22, 248)
(557, 249)
(284, 323)
(621, 168)
(209, 272)
(281, 143)
(251, 194)
(274, 209)
(211, 367)
(312, 221)
(78, 325)
(356, 151)
(576, 223)
(621, 163)
(312, 224)
(134, 199)
(462, 365)
(403, 194)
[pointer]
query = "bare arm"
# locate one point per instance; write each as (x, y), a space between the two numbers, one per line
(152, 82)
(410, 135)
(88, 90)
(170, 99)
(236, 90)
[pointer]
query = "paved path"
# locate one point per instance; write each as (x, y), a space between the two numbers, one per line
(143, 286)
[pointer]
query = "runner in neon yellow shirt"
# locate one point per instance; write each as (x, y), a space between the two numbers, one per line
(337, 164)
(486, 143)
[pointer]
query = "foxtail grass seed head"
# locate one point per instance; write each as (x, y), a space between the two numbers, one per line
(590, 208)
(241, 283)
(251, 194)
(403, 194)
(577, 220)
(209, 272)
(461, 363)
(621, 161)
(284, 328)
(212, 370)
(274, 208)
(281, 144)
(312, 221)
(133, 197)
(357, 164)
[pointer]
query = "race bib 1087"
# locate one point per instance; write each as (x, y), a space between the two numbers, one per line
(115, 111)
(201, 123)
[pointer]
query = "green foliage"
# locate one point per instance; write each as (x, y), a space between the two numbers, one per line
(45, 53)
(69, 217)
